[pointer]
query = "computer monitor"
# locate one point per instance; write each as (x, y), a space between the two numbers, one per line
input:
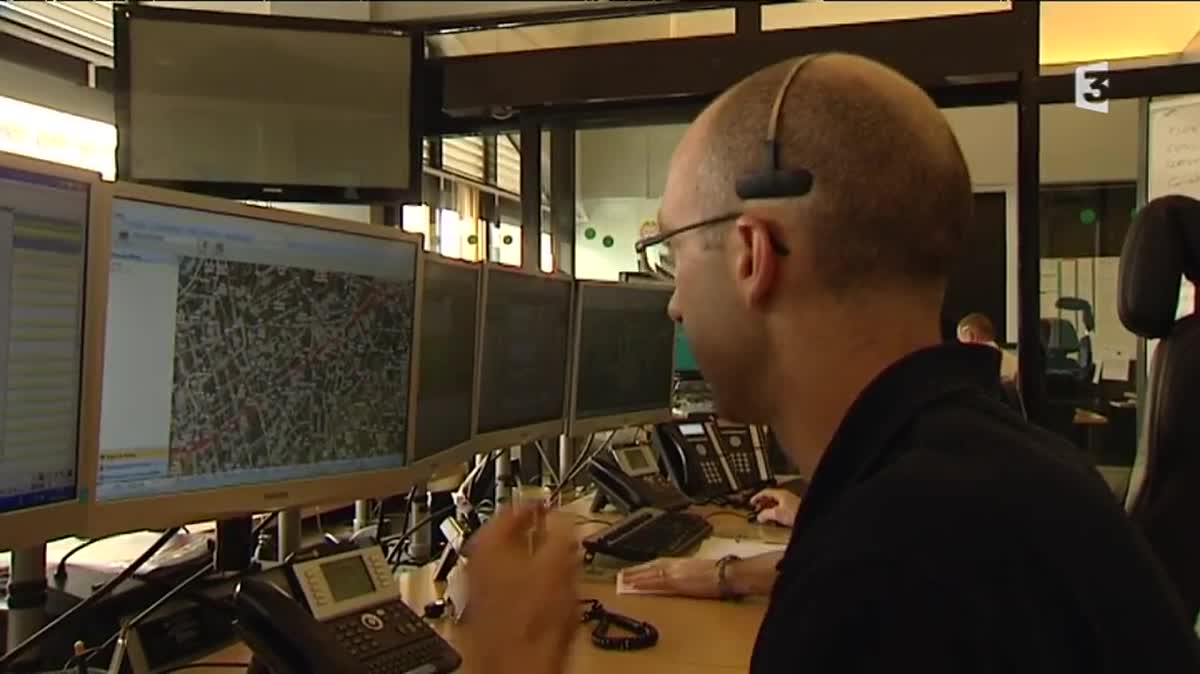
(524, 353)
(685, 362)
(446, 354)
(267, 107)
(254, 359)
(48, 348)
(623, 356)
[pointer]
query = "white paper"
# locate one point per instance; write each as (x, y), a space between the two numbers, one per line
(712, 548)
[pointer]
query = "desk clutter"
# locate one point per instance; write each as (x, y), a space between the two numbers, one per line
(660, 490)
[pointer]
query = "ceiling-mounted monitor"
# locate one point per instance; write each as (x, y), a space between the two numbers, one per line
(266, 107)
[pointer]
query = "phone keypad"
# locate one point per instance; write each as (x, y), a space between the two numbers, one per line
(371, 632)
(741, 463)
(712, 472)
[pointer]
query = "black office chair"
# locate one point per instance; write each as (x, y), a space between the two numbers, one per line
(1081, 346)
(1162, 245)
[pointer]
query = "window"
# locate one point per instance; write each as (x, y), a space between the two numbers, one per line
(508, 163)
(464, 156)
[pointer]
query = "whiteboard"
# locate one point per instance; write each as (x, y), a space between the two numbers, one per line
(1173, 147)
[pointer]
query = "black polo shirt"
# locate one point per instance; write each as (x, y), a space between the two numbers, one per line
(942, 533)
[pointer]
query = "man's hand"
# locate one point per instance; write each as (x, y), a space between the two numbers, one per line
(683, 577)
(776, 505)
(523, 608)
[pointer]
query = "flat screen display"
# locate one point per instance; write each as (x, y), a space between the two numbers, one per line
(347, 578)
(525, 350)
(626, 349)
(269, 106)
(449, 303)
(242, 351)
(43, 245)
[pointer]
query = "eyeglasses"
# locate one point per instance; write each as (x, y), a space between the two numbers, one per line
(658, 257)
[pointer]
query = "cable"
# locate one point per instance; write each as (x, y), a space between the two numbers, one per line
(546, 462)
(89, 601)
(579, 466)
(425, 520)
(266, 522)
(728, 513)
(206, 665)
(393, 555)
(642, 634)
(588, 520)
(60, 572)
(149, 610)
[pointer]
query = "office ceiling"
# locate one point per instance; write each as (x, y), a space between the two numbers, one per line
(1072, 31)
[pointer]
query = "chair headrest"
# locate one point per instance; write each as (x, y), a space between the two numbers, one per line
(1162, 245)
(1081, 305)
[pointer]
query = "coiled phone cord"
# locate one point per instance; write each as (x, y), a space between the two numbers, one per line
(642, 635)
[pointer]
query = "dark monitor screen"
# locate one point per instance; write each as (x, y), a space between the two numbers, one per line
(449, 303)
(626, 348)
(217, 103)
(525, 345)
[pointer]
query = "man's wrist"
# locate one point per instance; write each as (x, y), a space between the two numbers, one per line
(725, 586)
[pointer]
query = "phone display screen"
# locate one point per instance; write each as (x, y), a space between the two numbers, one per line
(347, 578)
(691, 430)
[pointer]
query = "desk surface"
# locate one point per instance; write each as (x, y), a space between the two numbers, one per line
(695, 635)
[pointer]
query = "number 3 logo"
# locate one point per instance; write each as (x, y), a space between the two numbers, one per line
(1092, 87)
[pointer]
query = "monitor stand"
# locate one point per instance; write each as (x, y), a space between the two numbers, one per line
(235, 545)
(26, 594)
(504, 480)
(362, 514)
(566, 457)
(420, 543)
(289, 533)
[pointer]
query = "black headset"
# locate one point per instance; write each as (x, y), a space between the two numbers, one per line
(774, 182)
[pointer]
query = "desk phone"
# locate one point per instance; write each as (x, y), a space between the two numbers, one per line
(630, 480)
(352, 620)
(708, 457)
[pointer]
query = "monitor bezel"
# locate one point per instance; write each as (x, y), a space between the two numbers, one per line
(39, 524)
(159, 511)
(124, 14)
(508, 437)
(468, 448)
(581, 427)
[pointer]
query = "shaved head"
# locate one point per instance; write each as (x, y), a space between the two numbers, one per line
(891, 194)
(778, 289)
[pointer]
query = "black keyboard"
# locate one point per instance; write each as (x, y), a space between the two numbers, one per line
(649, 533)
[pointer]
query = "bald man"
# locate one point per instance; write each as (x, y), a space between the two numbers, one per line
(977, 328)
(940, 532)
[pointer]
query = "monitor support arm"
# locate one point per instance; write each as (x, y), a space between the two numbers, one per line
(26, 593)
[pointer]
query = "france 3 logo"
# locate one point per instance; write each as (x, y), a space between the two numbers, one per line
(1091, 87)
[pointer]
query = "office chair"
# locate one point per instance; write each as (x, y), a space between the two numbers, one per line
(1082, 345)
(1163, 244)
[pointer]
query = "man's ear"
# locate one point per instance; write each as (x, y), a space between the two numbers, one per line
(756, 266)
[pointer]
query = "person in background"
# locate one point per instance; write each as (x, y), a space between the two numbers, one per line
(977, 328)
(939, 533)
